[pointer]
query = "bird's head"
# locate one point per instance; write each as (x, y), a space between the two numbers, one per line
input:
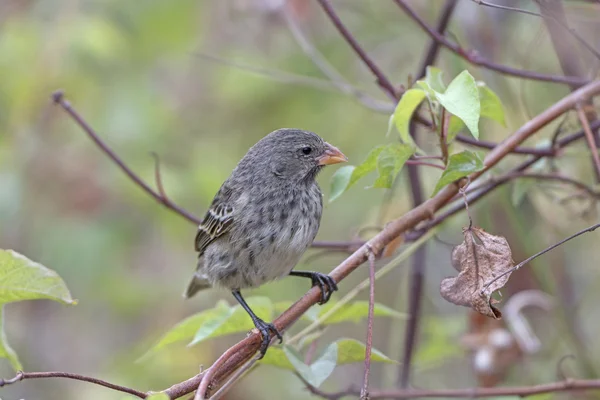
(294, 155)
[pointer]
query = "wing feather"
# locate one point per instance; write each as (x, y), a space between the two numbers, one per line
(216, 222)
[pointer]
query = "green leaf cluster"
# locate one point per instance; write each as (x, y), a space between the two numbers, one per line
(465, 100)
(23, 279)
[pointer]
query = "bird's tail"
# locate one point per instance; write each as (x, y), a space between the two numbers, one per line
(196, 284)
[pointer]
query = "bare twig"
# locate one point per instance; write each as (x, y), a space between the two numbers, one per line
(329, 71)
(364, 393)
(519, 265)
(382, 80)
(39, 375)
(519, 150)
(424, 164)
(59, 98)
(568, 385)
(589, 137)
(417, 271)
(476, 59)
(560, 23)
(239, 374)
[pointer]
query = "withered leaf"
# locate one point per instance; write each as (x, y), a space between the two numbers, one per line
(479, 258)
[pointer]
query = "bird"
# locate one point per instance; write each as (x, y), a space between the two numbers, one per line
(263, 218)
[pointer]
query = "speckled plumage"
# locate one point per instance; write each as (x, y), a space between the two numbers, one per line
(264, 217)
(277, 206)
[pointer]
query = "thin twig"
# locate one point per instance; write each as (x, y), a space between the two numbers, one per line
(239, 374)
(417, 270)
(364, 393)
(549, 152)
(59, 98)
(476, 59)
(382, 80)
(158, 177)
(40, 375)
(568, 385)
(589, 137)
(424, 164)
(328, 70)
(569, 30)
(519, 265)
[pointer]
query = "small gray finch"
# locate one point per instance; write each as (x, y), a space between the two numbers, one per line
(263, 218)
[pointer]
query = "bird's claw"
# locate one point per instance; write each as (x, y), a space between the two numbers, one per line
(265, 330)
(326, 284)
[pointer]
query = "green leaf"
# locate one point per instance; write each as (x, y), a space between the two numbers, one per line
(344, 351)
(454, 127)
(186, 329)
(5, 350)
(318, 371)
(23, 279)
(367, 166)
(491, 106)
(356, 311)
(462, 99)
(351, 351)
(459, 166)
(277, 357)
(340, 181)
(390, 162)
(434, 79)
(235, 320)
(404, 111)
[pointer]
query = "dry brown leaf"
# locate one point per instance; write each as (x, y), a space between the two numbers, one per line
(478, 259)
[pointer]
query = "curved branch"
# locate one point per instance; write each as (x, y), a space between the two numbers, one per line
(382, 80)
(476, 59)
(21, 376)
(568, 385)
(59, 98)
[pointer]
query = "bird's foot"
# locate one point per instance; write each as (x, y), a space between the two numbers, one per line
(265, 330)
(325, 283)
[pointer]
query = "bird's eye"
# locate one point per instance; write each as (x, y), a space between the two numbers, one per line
(307, 150)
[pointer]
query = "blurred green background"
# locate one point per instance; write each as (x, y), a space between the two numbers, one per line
(138, 71)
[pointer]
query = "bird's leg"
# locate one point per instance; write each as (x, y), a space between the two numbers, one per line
(264, 328)
(324, 282)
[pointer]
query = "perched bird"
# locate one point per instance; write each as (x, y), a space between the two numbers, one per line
(263, 218)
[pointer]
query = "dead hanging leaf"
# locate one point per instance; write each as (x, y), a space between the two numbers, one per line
(479, 259)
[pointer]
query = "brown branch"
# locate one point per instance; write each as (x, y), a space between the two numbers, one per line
(519, 150)
(589, 137)
(424, 164)
(434, 45)
(364, 393)
(59, 98)
(494, 184)
(419, 261)
(382, 80)
(568, 385)
(42, 375)
(476, 59)
(558, 21)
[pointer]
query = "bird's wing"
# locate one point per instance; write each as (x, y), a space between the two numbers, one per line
(216, 222)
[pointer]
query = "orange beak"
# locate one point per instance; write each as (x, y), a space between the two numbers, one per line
(332, 156)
